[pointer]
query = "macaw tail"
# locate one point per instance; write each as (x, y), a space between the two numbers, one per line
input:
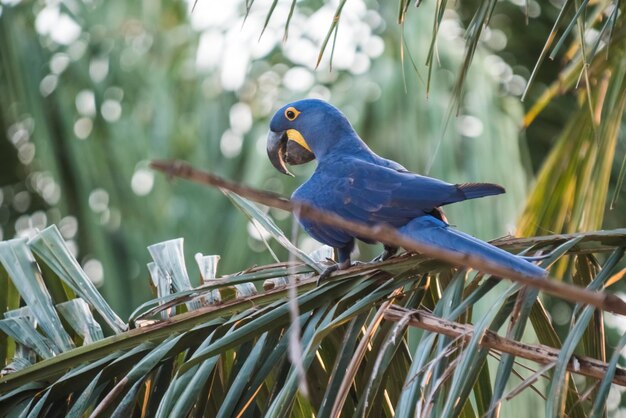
(432, 231)
(476, 190)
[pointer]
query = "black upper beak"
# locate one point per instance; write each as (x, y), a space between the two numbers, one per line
(280, 151)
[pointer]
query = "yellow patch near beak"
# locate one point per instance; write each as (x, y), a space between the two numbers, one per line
(295, 136)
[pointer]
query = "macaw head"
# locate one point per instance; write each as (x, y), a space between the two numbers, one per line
(304, 130)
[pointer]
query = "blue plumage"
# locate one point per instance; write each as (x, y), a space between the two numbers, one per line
(352, 181)
(432, 231)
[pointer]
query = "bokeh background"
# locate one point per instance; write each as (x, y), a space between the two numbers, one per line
(91, 91)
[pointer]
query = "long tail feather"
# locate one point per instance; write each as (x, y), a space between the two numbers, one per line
(435, 232)
(475, 190)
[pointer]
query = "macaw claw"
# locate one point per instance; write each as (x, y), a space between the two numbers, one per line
(331, 269)
(326, 273)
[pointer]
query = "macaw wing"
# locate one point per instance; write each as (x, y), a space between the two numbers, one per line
(373, 194)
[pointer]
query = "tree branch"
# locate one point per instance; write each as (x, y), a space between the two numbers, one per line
(389, 235)
(539, 353)
(604, 241)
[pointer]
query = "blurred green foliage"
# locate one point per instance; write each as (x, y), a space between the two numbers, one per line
(94, 90)
(91, 91)
(86, 115)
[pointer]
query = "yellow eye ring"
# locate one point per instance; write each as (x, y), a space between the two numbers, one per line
(291, 113)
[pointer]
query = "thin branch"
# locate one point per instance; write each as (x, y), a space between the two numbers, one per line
(389, 235)
(542, 372)
(608, 240)
(518, 374)
(539, 353)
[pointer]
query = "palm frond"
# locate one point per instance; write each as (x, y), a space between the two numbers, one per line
(581, 206)
(230, 358)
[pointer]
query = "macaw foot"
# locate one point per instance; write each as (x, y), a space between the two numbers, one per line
(331, 269)
(389, 252)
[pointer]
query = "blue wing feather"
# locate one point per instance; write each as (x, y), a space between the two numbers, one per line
(371, 193)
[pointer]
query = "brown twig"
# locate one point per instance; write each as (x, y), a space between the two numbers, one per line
(389, 235)
(539, 353)
(608, 241)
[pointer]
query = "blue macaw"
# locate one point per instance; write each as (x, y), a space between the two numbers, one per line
(352, 181)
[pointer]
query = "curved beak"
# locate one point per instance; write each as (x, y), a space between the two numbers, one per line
(281, 150)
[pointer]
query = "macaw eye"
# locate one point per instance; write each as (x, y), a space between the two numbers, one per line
(291, 113)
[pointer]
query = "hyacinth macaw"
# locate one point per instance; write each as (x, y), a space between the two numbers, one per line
(352, 181)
